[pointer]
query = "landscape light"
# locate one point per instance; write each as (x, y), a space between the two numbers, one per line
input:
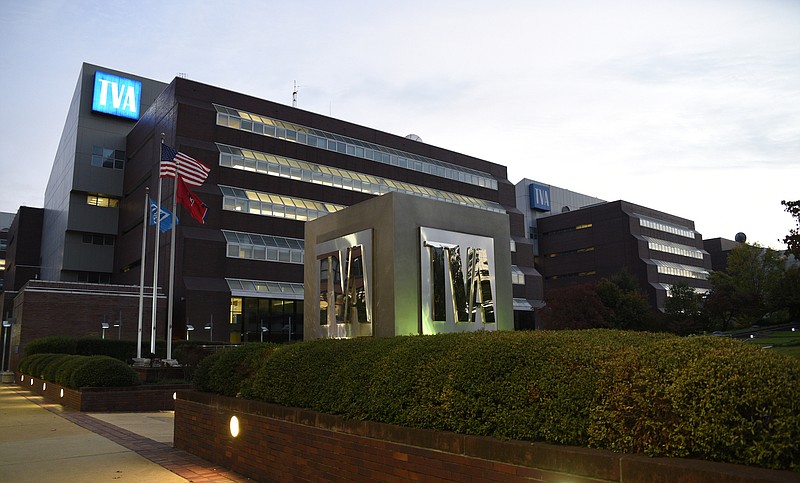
(62, 392)
(234, 426)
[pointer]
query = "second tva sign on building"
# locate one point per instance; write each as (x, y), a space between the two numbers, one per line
(404, 265)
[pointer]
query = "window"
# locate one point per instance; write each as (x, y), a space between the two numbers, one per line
(273, 165)
(96, 239)
(2, 264)
(237, 119)
(108, 158)
(102, 201)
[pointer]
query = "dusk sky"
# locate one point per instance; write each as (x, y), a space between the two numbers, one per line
(688, 107)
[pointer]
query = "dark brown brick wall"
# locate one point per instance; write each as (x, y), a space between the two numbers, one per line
(103, 399)
(289, 444)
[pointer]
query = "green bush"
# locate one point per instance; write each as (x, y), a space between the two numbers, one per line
(103, 371)
(118, 349)
(225, 370)
(68, 367)
(701, 397)
(52, 345)
(48, 370)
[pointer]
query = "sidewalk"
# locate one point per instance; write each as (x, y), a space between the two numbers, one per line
(41, 441)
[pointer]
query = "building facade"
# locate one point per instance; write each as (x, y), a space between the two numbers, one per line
(81, 213)
(274, 167)
(599, 241)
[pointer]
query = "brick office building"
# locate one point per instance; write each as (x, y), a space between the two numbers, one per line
(600, 240)
(273, 167)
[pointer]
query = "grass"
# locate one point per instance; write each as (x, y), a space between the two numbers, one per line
(786, 342)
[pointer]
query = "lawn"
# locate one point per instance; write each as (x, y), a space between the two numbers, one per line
(786, 342)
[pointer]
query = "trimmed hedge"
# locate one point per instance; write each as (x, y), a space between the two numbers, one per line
(224, 371)
(700, 397)
(75, 371)
(52, 345)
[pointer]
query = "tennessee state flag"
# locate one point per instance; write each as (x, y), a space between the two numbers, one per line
(191, 202)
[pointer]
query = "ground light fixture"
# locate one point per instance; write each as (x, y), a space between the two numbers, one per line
(62, 392)
(44, 386)
(234, 426)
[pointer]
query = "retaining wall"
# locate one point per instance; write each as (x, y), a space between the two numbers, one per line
(277, 443)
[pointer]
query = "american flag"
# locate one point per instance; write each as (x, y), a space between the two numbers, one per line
(193, 172)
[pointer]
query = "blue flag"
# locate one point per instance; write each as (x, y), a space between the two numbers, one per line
(165, 220)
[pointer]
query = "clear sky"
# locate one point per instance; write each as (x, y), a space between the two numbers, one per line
(688, 107)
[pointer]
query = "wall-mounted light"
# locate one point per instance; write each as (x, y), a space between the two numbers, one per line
(234, 425)
(174, 395)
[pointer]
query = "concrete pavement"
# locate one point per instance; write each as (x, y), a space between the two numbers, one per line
(41, 441)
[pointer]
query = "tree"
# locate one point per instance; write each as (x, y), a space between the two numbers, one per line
(792, 240)
(684, 310)
(625, 306)
(723, 304)
(573, 307)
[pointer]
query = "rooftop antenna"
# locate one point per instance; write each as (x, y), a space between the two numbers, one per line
(294, 95)
(183, 75)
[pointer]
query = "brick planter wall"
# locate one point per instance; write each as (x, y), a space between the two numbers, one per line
(104, 399)
(281, 444)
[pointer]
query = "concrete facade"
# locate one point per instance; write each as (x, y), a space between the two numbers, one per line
(397, 283)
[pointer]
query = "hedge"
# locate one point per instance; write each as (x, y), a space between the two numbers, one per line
(226, 370)
(701, 397)
(189, 351)
(75, 371)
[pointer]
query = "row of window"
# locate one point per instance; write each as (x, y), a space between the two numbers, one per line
(252, 246)
(579, 250)
(102, 201)
(517, 277)
(280, 206)
(95, 239)
(569, 229)
(665, 227)
(572, 275)
(94, 277)
(674, 248)
(679, 270)
(281, 289)
(234, 157)
(108, 158)
(247, 121)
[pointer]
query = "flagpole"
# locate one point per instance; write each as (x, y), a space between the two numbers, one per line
(141, 271)
(155, 262)
(172, 263)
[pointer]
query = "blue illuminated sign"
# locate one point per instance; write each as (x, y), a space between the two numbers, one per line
(116, 95)
(540, 197)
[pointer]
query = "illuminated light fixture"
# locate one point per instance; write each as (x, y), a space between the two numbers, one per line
(31, 381)
(44, 386)
(234, 426)
(62, 392)
(174, 395)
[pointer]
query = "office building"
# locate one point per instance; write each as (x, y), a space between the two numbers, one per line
(238, 276)
(599, 241)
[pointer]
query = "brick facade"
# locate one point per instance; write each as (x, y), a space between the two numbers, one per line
(104, 399)
(276, 443)
(45, 309)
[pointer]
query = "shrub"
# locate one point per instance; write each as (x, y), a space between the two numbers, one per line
(103, 371)
(118, 349)
(48, 370)
(701, 397)
(68, 367)
(224, 371)
(52, 345)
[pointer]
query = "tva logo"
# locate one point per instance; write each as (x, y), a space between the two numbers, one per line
(540, 197)
(116, 95)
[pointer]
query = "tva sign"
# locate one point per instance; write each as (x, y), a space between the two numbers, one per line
(116, 95)
(540, 197)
